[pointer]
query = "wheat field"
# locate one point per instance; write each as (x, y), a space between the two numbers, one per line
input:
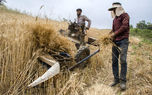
(23, 38)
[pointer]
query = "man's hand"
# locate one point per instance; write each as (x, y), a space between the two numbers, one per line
(112, 35)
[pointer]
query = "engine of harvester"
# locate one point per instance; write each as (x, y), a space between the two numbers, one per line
(74, 30)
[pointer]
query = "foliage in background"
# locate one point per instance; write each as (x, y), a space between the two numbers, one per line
(143, 30)
(143, 25)
(146, 34)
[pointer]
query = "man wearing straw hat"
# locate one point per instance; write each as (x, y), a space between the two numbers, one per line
(120, 35)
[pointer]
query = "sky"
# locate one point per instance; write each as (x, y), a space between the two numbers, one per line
(96, 10)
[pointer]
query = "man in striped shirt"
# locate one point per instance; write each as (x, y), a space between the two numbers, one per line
(81, 21)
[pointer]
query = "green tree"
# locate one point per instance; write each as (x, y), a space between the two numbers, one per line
(142, 25)
(149, 25)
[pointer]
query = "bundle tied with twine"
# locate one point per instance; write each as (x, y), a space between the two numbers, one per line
(105, 41)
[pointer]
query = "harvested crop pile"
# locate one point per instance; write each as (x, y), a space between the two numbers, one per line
(105, 40)
(22, 41)
(51, 42)
(47, 38)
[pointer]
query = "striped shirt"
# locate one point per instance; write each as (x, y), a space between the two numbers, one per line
(82, 19)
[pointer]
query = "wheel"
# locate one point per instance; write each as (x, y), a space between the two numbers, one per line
(82, 53)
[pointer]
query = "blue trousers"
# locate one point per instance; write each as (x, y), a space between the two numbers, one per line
(120, 50)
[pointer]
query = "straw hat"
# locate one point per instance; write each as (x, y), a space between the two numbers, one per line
(114, 6)
(118, 9)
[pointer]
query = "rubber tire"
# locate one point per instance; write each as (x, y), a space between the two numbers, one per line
(81, 54)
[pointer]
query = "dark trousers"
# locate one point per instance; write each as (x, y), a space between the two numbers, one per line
(82, 41)
(120, 50)
(81, 37)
